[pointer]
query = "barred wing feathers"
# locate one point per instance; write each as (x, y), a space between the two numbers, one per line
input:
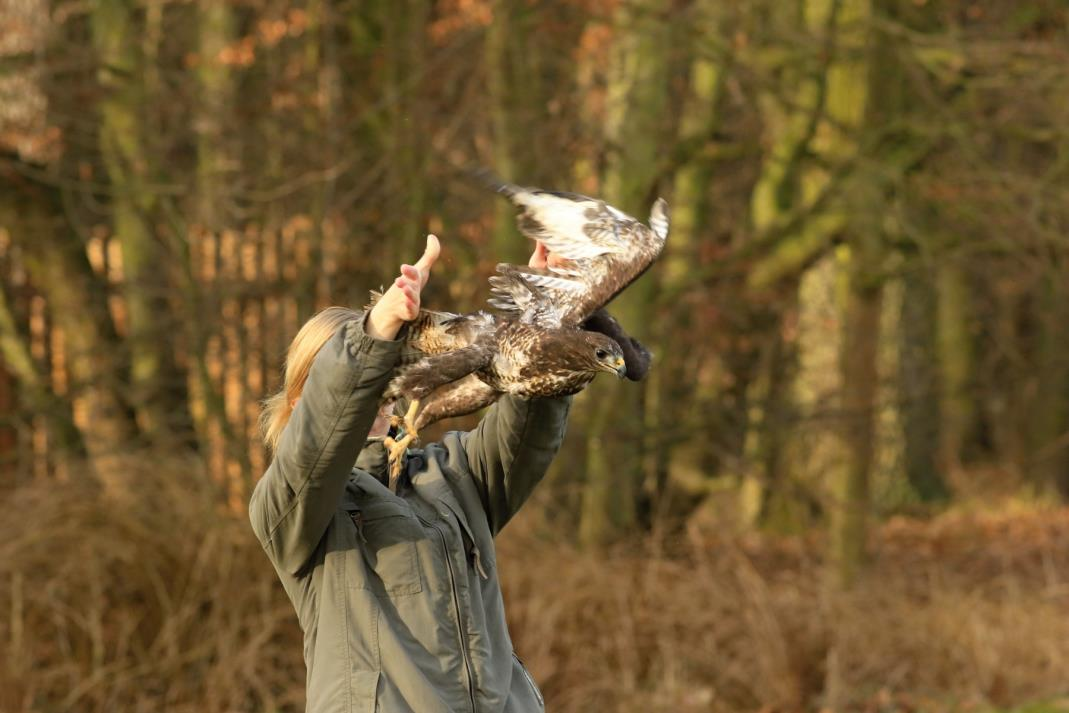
(608, 248)
(438, 332)
(533, 296)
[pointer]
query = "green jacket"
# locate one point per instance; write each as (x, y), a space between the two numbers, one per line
(398, 596)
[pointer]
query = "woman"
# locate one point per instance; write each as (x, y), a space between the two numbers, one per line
(397, 594)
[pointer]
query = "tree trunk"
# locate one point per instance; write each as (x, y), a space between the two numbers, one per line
(957, 367)
(33, 385)
(58, 266)
(158, 385)
(671, 381)
(216, 179)
(1049, 422)
(636, 126)
(918, 386)
(848, 96)
(767, 496)
(850, 486)
(523, 82)
(783, 189)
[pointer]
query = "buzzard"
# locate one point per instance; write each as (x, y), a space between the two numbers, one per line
(532, 343)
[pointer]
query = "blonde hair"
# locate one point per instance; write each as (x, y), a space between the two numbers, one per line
(278, 407)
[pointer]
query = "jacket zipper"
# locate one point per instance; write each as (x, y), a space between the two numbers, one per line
(530, 680)
(456, 607)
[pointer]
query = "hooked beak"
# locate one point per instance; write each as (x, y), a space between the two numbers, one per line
(621, 368)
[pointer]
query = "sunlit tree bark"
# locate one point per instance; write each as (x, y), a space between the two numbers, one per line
(786, 188)
(58, 267)
(848, 100)
(32, 383)
(216, 175)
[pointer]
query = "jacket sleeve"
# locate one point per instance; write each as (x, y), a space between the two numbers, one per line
(510, 451)
(295, 500)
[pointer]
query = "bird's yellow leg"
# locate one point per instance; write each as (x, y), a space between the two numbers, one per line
(397, 447)
(406, 422)
(409, 421)
(397, 453)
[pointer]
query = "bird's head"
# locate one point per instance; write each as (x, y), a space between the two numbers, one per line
(601, 353)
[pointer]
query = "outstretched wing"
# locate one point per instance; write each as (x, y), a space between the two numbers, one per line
(608, 248)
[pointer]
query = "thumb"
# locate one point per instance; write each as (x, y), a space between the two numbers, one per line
(538, 257)
(429, 257)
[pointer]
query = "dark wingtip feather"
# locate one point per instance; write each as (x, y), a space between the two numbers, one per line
(491, 180)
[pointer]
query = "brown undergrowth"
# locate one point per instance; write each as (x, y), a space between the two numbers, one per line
(160, 600)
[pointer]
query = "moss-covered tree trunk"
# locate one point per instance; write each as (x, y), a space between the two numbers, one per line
(636, 124)
(59, 268)
(786, 187)
(955, 345)
(850, 484)
(848, 100)
(158, 385)
(676, 410)
(19, 365)
(217, 182)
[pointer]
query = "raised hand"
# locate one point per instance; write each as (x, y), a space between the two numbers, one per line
(400, 303)
(538, 257)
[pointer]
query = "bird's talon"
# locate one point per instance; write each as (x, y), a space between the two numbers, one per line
(396, 455)
(409, 420)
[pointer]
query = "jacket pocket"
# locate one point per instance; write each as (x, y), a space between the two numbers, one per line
(386, 537)
(363, 691)
(530, 680)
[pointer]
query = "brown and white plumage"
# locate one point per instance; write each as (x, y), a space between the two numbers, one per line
(528, 357)
(531, 344)
(608, 249)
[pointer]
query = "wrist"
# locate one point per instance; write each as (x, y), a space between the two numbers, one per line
(381, 326)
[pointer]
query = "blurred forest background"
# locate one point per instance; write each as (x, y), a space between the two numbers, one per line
(841, 486)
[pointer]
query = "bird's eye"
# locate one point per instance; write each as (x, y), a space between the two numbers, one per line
(601, 354)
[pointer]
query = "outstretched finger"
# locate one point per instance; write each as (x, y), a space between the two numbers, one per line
(429, 257)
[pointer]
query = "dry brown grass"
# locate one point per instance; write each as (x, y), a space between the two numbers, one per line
(160, 600)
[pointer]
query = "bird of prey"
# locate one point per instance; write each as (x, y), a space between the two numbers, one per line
(531, 344)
